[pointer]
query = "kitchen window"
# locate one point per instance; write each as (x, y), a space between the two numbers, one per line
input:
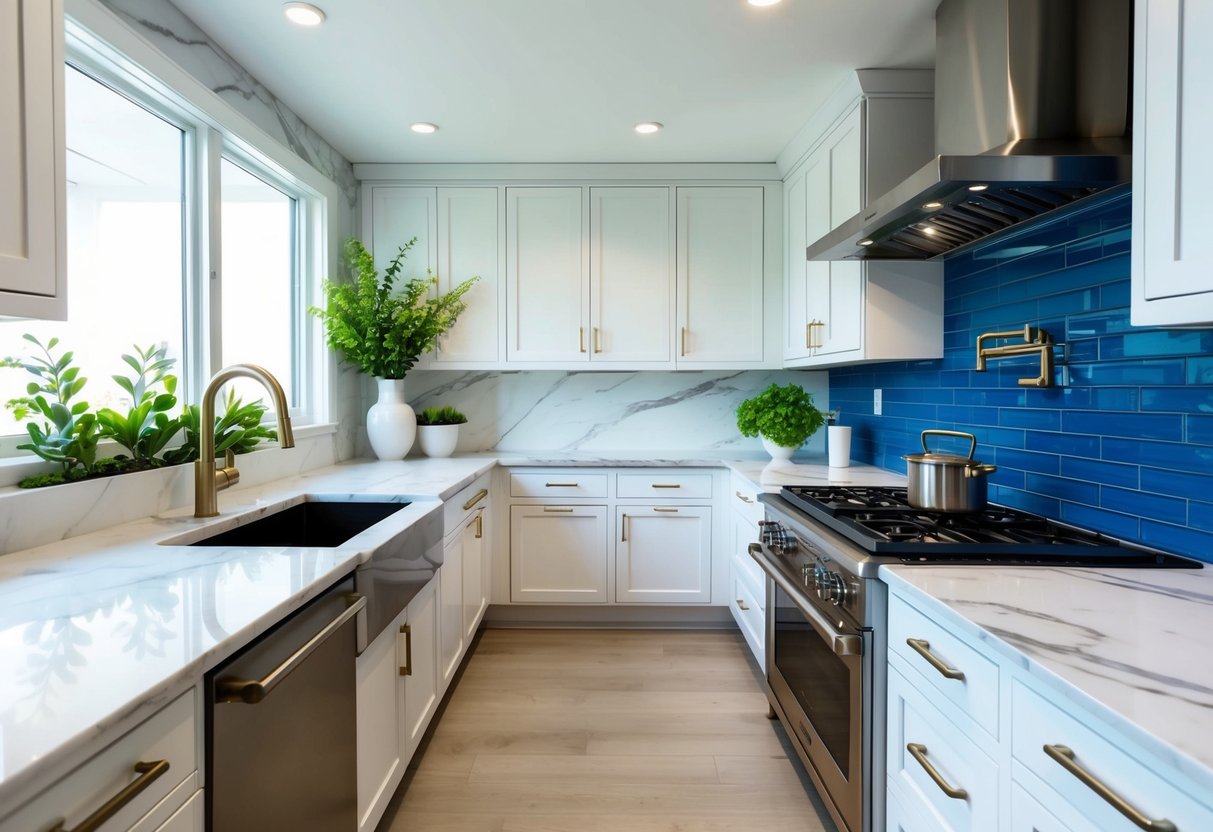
(181, 234)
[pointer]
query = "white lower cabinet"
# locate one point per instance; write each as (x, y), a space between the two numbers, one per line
(380, 754)
(475, 573)
(558, 554)
(160, 755)
(747, 597)
(417, 644)
(663, 554)
(450, 623)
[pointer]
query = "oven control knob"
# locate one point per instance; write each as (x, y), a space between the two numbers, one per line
(833, 589)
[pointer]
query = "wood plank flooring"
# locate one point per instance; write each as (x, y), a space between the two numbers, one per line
(605, 731)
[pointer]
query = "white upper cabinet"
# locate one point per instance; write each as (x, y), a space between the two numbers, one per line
(1172, 171)
(631, 276)
(547, 276)
(846, 312)
(33, 260)
(468, 246)
(720, 276)
(397, 216)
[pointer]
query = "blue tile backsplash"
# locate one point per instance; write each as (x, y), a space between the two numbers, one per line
(1122, 444)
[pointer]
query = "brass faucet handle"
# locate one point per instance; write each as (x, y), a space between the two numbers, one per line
(228, 474)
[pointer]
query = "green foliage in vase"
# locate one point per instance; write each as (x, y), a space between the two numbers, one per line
(382, 327)
(237, 428)
(146, 427)
(445, 415)
(784, 415)
(69, 433)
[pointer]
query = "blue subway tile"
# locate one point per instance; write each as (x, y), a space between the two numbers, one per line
(1199, 430)
(1177, 483)
(1194, 399)
(1026, 460)
(1107, 473)
(1157, 343)
(1026, 501)
(1063, 444)
(1083, 349)
(1144, 504)
(1007, 478)
(1083, 300)
(1127, 373)
(1109, 522)
(1030, 418)
(986, 397)
(998, 437)
(1173, 455)
(1192, 542)
(1116, 295)
(1093, 324)
(1096, 398)
(1074, 491)
(1200, 370)
(1140, 425)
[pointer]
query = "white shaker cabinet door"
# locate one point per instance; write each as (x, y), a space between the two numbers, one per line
(397, 215)
(720, 276)
(417, 644)
(380, 766)
(475, 574)
(797, 335)
(663, 555)
(1172, 168)
(468, 246)
(547, 276)
(631, 275)
(33, 279)
(450, 615)
(558, 554)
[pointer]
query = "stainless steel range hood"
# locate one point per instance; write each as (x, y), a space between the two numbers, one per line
(1032, 112)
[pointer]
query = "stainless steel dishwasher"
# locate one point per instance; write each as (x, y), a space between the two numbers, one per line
(280, 735)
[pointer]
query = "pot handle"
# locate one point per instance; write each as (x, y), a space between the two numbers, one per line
(972, 471)
(972, 439)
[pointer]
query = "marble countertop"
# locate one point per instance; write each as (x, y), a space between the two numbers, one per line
(1130, 645)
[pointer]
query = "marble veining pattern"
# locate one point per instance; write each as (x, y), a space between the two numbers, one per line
(1129, 645)
(600, 411)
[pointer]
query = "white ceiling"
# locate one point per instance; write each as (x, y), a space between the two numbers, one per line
(565, 80)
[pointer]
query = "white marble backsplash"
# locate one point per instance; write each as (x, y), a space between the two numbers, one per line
(594, 411)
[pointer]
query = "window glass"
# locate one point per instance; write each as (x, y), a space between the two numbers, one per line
(258, 308)
(124, 245)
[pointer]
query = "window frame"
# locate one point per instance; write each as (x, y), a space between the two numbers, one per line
(101, 45)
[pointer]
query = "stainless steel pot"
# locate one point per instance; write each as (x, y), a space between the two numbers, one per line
(946, 482)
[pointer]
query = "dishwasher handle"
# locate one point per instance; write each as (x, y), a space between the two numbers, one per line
(252, 691)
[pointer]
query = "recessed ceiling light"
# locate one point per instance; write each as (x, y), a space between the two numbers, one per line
(931, 206)
(978, 187)
(648, 127)
(865, 242)
(926, 229)
(762, 2)
(423, 127)
(304, 14)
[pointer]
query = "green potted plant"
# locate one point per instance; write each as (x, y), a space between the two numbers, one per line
(784, 416)
(438, 430)
(383, 328)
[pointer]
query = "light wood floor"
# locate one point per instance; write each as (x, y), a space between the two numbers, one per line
(605, 731)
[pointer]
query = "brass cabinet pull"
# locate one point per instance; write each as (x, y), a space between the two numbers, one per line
(923, 648)
(560, 485)
(743, 497)
(741, 605)
(580, 339)
(684, 342)
(480, 495)
(1065, 758)
(252, 691)
(597, 340)
(479, 526)
(666, 485)
(557, 510)
(406, 630)
(808, 335)
(148, 773)
(668, 510)
(623, 528)
(919, 752)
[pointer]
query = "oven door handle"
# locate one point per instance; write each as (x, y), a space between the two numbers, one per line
(843, 644)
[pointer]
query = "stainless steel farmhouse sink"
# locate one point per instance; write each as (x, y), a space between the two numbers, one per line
(398, 537)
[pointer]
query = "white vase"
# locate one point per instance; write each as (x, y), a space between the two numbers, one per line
(391, 425)
(838, 443)
(438, 440)
(778, 452)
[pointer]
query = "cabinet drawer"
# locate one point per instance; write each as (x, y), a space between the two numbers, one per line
(1121, 770)
(457, 509)
(750, 572)
(558, 484)
(665, 486)
(935, 653)
(743, 496)
(166, 737)
(749, 614)
(928, 756)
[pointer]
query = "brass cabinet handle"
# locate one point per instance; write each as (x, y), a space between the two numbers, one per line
(741, 605)
(667, 510)
(919, 752)
(480, 495)
(558, 510)
(923, 648)
(1065, 758)
(580, 339)
(252, 691)
(597, 340)
(666, 485)
(406, 630)
(808, 335)
(148, 773)
(743, 497)
(479, 525)
(623, 528)
(684, 342)
(560, 485)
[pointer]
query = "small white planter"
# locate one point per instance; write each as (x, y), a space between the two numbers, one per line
(391, 424)
(779, 453)
(438, 440)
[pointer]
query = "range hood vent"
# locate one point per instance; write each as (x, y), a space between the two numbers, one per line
(1048, 81)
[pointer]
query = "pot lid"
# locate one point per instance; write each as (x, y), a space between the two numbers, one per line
(932, 458)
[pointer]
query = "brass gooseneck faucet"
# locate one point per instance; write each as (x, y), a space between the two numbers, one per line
(209, 480)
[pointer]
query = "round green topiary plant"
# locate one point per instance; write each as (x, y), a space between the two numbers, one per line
(784, 415)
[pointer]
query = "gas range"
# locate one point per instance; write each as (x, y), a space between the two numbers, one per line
(882, 523)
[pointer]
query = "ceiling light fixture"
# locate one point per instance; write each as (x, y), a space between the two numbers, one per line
(762, 2)
(866, 242)
(646, 127)
(424, 127)
(978, 187)
(931, 206)
(303, 14)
